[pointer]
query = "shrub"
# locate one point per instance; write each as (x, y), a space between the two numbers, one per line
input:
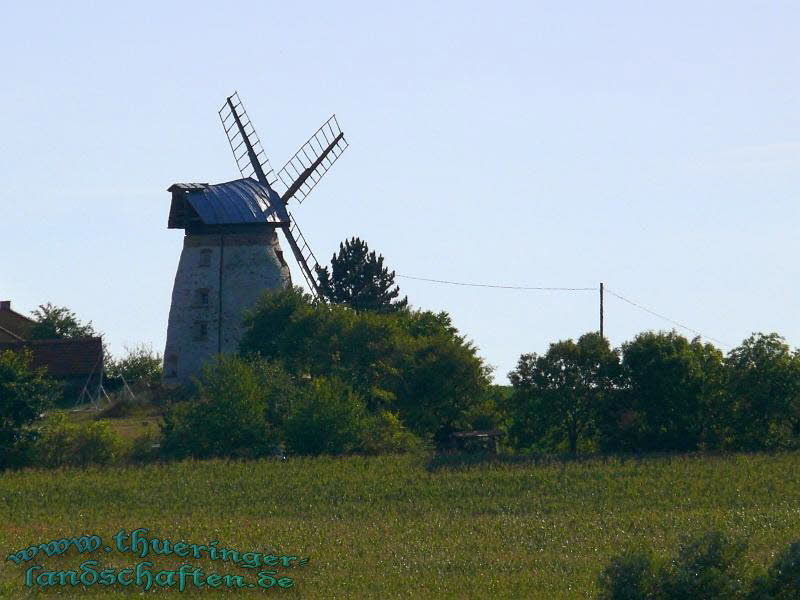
(140, 367)
(122, 407)
(145, 448)
(165, 395)
(279, 390)
(630, 576)
(710, 566)
(329, 419)
(411, 362)
(61, 443)
(384, 433)
(24, 395)
(782, 580)
(227, 418)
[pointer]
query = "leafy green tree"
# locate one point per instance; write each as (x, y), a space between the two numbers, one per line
(25, 393)
(53, 322)
(673, 396)
(763, 383)
(384, 433)
(491, 411)
(140, 365)
(329, 419)
(411, 362)
(442, 381)
(557, 396)
(358, 279)
(228, 417)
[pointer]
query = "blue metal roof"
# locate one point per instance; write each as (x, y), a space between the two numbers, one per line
(236, 202)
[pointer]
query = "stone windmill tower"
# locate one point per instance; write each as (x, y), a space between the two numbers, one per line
(231, 254)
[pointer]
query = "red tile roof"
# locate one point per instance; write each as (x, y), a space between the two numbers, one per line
(63, 358)
(13, 322)
(8, 336)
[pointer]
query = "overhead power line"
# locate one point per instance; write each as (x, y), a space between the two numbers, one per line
(570, 289)
(503, 287)
(660, 316)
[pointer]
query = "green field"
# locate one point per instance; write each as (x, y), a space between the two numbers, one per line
(408, 526)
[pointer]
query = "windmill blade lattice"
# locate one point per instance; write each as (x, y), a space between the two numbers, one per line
(245, 143)
(304, 255)
(304, 170)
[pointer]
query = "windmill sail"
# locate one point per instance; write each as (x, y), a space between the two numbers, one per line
(250, 157)
(304, 256)
(304, 170)
(299, 176)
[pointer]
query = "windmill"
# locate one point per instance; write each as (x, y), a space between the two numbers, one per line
(231, 253)
(298, 177)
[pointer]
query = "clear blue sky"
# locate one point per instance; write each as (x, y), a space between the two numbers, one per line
(656, 149)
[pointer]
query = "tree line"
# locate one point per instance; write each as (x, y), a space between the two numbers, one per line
(658, 392)
(366, 372)
(368, 362)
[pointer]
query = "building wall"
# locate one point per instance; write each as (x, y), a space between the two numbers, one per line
(230, 271)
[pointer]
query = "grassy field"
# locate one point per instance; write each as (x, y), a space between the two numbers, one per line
(129, 427)
(395, 527)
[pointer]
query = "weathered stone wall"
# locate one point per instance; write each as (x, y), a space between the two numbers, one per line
(251, 263)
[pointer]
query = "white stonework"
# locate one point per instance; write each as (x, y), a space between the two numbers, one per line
(231, 270)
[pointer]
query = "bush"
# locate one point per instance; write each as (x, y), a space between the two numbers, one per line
(122, 407)
(227, 418)
(279, 390)
(329, 419)
(24, 395)
(61, 443)
(145, 448)
(384, 433)
(782, 580)
(630, 576)
(710, 566)
(140, 367)
(413, 363)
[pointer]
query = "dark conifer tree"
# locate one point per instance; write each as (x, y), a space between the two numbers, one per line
(357, 278)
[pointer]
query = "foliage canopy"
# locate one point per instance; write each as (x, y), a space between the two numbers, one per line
(58, 322)
(412, 362)
(358, 279)
(25, 393)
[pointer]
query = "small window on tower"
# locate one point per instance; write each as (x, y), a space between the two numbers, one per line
(201, 297)
(200, 331)
(205, 257)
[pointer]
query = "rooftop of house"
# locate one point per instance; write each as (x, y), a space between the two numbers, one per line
(13, 325)
(63, 357)
(73, 357)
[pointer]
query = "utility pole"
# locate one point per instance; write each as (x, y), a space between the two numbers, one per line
(601, 310)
